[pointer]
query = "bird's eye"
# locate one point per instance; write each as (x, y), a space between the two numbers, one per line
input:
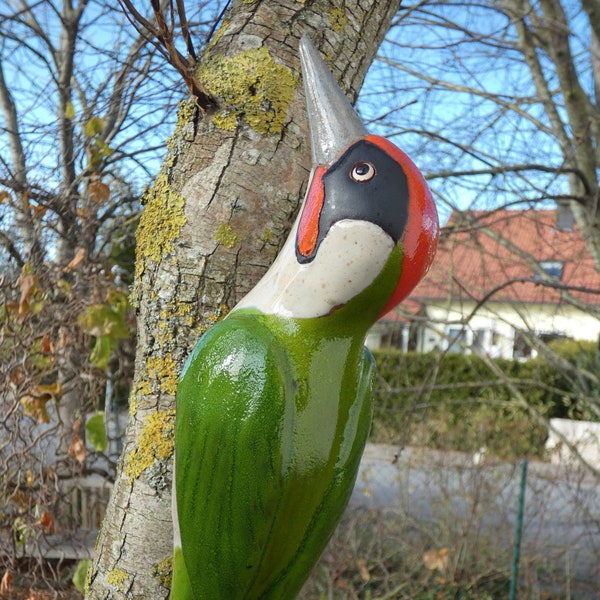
(362, 172)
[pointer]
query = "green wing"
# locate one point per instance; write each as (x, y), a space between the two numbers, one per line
(254, 512)
(232, 439)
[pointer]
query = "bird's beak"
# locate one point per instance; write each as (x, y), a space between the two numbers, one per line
(333, 123)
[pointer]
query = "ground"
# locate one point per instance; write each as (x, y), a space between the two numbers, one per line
(25, 593)
(28, 579)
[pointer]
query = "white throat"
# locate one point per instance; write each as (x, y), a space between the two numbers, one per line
(350, 257)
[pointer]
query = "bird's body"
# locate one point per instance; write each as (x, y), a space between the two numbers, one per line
(274, 405)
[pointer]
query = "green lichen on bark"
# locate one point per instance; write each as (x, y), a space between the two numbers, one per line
(227, 235)
(338, 19)
(250, 86)
(160, 223)
(164, 571)
(117, 579)
(155, 443)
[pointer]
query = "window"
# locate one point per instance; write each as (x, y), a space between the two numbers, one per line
(480, 340)
(464, 339)
(552, 268)
(525, 342)
(457, 339)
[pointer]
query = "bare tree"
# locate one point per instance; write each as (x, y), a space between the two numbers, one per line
(83, 99)
(499, 102)
(212, 223)
(504, 95)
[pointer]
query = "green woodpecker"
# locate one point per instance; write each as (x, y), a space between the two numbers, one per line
(274, 404)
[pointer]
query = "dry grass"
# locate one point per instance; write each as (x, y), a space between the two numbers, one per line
(449, 534)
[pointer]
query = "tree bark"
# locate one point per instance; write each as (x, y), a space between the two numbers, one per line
(215, 218)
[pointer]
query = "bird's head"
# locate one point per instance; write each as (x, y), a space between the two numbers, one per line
(366, 203)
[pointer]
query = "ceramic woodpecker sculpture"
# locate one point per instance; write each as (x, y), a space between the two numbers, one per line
(274, 404)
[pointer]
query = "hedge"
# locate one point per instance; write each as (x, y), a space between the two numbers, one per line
(458, 401)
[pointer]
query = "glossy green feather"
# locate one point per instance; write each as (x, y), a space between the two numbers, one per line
(272, 418)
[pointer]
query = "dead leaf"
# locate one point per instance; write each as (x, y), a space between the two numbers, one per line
(70, 111)
(28, 284)
(26, 204)
(77, 260)
(5, 582)
(12, 307)
(4, 197)
(16, 377)
(46, 521)
(77, 449)
(46, 345)
(54, 391)
(39, 211)
(21, 499)
(99, 192)
(363, 570)
(342, 583)
(436, 560)
(64, 286)
(35, 407)
(34, 402)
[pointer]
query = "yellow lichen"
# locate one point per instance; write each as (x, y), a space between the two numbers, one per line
(164, 571)
(185, 113)
(212, 318)
(164, 370)
(141, 388)
(338, 20)
(218, 34)
(175, 307)
(182, 309)
(160, 223)
(155, 443)
(250, 86)
(267, 236)
(117, 578)
(218, 315)
(227, 236)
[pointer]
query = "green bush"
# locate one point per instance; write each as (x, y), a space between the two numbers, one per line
(458, 401)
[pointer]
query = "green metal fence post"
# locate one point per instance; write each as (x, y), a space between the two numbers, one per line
(518, 531)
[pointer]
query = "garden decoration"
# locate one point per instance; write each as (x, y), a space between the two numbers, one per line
(274, 404)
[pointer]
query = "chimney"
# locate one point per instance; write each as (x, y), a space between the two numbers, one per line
(564, 217)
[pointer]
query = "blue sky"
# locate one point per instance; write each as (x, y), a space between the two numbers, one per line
(433, 123)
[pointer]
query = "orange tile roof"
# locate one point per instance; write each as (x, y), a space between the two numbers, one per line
(496, 253)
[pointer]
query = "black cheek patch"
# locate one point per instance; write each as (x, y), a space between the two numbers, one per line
(383, 200)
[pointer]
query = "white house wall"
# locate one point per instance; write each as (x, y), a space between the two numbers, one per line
(503, 319)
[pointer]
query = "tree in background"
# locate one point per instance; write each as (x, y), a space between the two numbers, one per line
(85, 102)
(499, 99)
(499, 102)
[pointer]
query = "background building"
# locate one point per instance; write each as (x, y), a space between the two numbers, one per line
(500, 281)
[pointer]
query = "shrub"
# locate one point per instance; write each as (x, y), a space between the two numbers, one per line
(458, 401)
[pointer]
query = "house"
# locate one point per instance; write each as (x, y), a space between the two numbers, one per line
(501, 280)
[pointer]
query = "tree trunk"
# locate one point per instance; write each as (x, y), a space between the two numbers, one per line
(214, 220)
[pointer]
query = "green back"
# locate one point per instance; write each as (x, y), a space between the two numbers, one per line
(272, 418)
